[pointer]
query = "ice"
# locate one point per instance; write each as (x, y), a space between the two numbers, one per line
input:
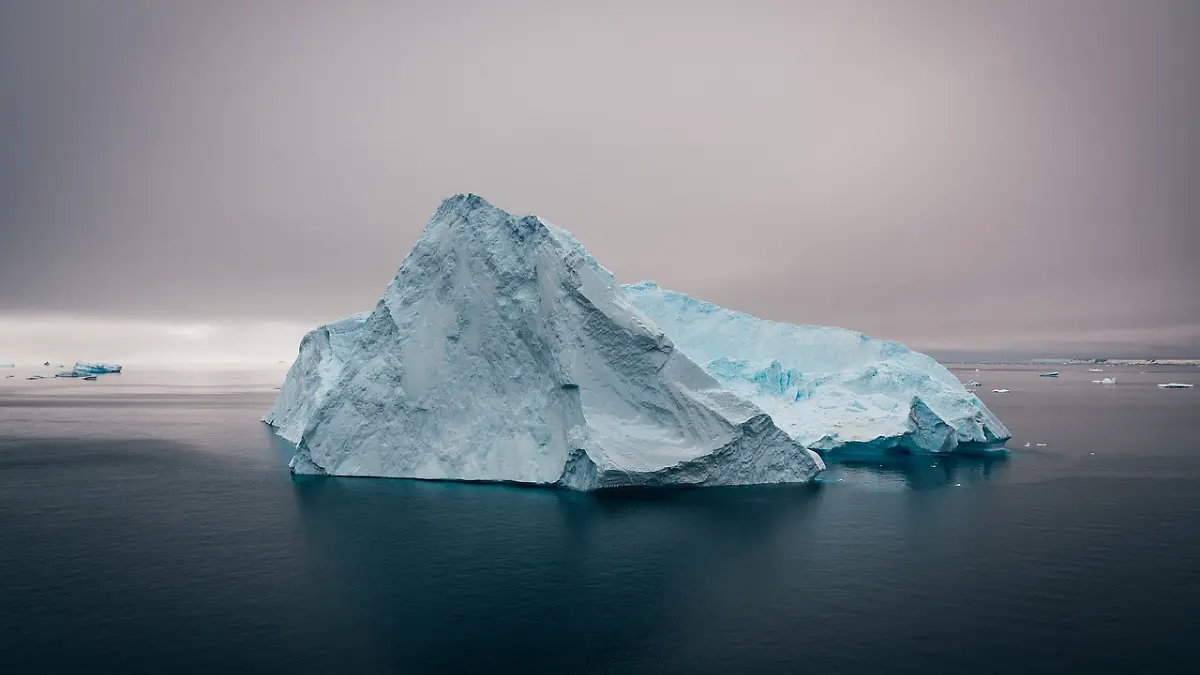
(96, 368)
(1107, 380)
(323, 353)
(1095, 370)
(973, 383)
(1053, 374)
(829, 388)
(502, 351)
(70, 374)
(1175, 385)
(1000, 391)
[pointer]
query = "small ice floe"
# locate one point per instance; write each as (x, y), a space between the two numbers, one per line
(1041, 445)
(1000, 391)
(1107, 380)
(1050, 374)
(96, 368)
(1175, 385)
(90, 378)
(1095, 370)
(973, 383)
(46, 363)
(1027, 444)
(9, 377)
(36, 377)
(69, 374)
(958, 485)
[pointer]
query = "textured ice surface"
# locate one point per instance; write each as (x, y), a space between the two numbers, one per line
(502, 351)
(322, 355)
(96, 368)
(830, 389)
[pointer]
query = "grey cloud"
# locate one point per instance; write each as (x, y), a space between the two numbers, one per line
(954, 174)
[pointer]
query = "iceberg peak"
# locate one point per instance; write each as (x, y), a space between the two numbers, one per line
(502, 351)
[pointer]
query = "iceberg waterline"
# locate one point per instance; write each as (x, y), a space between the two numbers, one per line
(502, 351)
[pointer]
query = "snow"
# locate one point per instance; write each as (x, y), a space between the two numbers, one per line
(829, 388)
(502, 351)
(96, 368)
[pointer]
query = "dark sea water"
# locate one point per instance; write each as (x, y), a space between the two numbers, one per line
(148, 524)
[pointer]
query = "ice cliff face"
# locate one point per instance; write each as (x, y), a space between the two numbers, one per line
(831, 389)
(322, 355)
(503, 352)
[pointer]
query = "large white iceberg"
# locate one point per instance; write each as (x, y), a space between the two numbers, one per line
(502, 351)
(833, 390)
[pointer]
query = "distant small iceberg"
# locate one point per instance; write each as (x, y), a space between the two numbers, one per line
(1175, 385)
(1107, 380)
(1095, 370)
(96, 368)
(973, 383)
(1000, 391)
(1050, 374)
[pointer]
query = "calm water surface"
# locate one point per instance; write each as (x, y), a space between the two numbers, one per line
(148, 524)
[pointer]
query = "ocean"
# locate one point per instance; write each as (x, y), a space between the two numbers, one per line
(149, 524)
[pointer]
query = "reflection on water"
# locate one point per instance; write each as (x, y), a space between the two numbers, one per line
(914, 472)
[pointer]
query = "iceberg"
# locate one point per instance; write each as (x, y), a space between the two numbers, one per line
(1052, 374)
(1107, 380)
(1175, 385)
(96, 368)
(502, 351)
(831, 389)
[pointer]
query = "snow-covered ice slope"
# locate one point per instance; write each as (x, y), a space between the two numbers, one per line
(503, 352)
(829, 388)
(322, 354)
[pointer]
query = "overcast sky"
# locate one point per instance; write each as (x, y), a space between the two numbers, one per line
(980, 177)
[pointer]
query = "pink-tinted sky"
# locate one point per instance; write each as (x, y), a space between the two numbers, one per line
(965, 176)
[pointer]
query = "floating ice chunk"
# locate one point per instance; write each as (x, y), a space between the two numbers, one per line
(90, 378)
(502, 351)
(1107, 380)
(1050, 374)
(69, 374)
(96, 368)
(831, 389)
(1175, 385)
(46, 363)
(1027, 444)
(1000, 391)
(36, 377)
(1095, 370)
(1041, 445)
(973, 383)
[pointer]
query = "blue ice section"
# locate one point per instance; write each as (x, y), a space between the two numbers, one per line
(831, 389)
